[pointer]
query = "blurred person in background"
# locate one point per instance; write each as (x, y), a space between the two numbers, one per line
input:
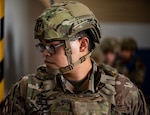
(97, 55)
(129, 63)
(110, 49)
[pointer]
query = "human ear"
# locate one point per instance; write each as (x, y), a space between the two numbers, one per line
(84, 41)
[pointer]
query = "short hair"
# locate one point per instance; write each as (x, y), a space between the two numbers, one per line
(87, 33)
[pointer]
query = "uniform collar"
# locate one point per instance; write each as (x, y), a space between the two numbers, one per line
(42, 73)
(87, 86)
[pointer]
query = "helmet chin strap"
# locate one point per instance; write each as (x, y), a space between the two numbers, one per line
(71, 65)
(64, 70)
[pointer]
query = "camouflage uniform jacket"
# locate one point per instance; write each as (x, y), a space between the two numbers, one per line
(104, 92)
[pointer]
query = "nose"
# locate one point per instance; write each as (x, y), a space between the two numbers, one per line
(46, 53)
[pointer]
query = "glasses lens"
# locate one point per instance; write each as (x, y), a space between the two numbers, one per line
(51, 49)
(40, 47)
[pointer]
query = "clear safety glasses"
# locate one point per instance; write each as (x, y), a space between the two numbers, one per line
(50, 48)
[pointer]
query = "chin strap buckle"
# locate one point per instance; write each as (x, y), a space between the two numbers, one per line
(66, 69)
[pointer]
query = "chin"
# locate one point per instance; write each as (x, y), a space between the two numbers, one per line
(50, 66)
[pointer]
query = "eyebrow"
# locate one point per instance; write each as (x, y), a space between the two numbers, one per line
(47, 41)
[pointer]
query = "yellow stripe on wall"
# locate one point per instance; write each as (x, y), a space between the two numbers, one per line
(1, 8)
(1, 50)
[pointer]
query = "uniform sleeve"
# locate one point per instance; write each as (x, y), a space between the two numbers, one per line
(129, 99)
(141, 107)
(14, 103)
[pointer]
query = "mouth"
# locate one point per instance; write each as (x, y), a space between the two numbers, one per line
(48, 62)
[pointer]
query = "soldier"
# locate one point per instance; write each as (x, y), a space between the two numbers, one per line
(129, 64)
(110, 48)
(70, 83)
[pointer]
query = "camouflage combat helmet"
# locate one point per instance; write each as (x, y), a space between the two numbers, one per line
(128, 43)
(109, 44)
(63, 21)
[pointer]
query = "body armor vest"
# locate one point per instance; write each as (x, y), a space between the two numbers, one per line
(46, 98)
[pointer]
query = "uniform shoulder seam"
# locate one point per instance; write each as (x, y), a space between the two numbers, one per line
(108, 70)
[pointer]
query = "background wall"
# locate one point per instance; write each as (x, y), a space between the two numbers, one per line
(117, 19)
(21, 57)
